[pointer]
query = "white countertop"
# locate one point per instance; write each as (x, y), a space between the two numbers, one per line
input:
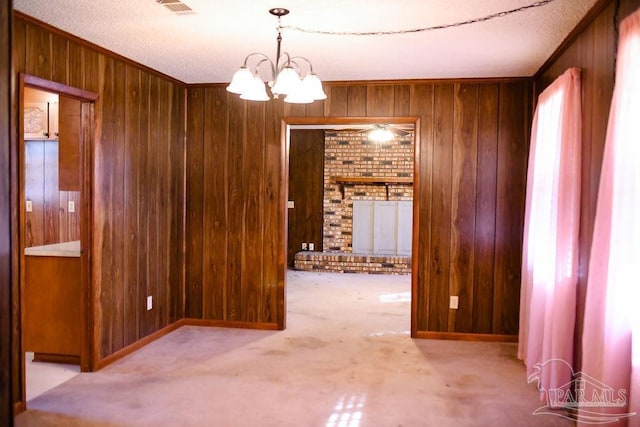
(66, 249)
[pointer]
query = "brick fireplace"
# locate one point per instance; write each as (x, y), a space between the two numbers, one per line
(356, 169)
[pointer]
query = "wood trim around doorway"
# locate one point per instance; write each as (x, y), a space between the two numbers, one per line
(88, 351)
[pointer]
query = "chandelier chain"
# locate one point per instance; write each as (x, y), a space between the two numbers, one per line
(502, 14)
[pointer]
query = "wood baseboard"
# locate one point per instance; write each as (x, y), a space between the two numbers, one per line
(228, 324)
(19, 407)
(136, 345)
(175, 325)
(57, 358)
(465, 337)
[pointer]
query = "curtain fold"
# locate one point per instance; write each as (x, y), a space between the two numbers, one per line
(611, 338)
(550, 241)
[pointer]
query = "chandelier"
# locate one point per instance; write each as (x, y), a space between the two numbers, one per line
(287, 77)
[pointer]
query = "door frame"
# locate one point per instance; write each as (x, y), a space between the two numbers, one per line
(285, 139)
(87, 143)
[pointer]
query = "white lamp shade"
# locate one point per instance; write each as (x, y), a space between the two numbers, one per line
(256, 90)
(299, 94)
(313, 86)
(286, 80)
(241, 81)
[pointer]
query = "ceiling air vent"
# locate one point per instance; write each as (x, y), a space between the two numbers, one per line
(175, 6)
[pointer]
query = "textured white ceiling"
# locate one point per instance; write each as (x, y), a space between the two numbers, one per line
(208, 45)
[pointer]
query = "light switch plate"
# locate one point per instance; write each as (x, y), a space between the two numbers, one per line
(28, 206)
(291, 204)
(304, 246)
(149, 302)
(72, 206)
(311, 246)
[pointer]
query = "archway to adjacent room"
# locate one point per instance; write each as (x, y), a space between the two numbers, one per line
(292, 124)
(55, 211)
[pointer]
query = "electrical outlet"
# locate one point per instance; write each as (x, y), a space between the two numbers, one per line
(149, 302)
(453, 302)
(72, 206)
(311, 246)
(304, 246)
(28, 205)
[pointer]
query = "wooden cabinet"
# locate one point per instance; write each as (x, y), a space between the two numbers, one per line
(40, 120)
(69, 144)
(52, 308)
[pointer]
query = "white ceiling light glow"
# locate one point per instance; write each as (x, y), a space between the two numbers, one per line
(286, 75)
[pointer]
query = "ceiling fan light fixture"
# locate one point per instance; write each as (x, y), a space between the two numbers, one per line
(380, 133)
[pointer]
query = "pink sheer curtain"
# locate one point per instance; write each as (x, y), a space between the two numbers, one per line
(611, 339)
(550, 248)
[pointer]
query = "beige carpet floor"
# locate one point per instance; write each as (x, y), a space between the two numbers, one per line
(345, 359)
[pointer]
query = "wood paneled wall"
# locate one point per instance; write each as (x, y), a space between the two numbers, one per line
(6, 178)
(138, 181)
(594, 51)
(473, 150)
(306, 190)
(49, 221)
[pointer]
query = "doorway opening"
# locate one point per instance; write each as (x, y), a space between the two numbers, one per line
(350, 203)
(56, 157)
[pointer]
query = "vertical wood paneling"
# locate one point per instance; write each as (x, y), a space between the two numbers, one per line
(439, 254)
(401, 100)
(153, 219)
(485, 207)
(512, 167)
(161, 295)
(51, 194)
(131, 183)
(75, 67)
(216, 220)
(34, 191)
(7, 177)
(306, 189)
(8, 373)
(38, 52)
(336, 104)
(357, 101)
(457, 215)
(252, 230)
(195, 192)
(143, 164)
(273, 307)
(237, 114)
(177, 156)
(138, 184)
(59, 59)
(104, 150)
(463, 203)
(422, 105)
(380, 100)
